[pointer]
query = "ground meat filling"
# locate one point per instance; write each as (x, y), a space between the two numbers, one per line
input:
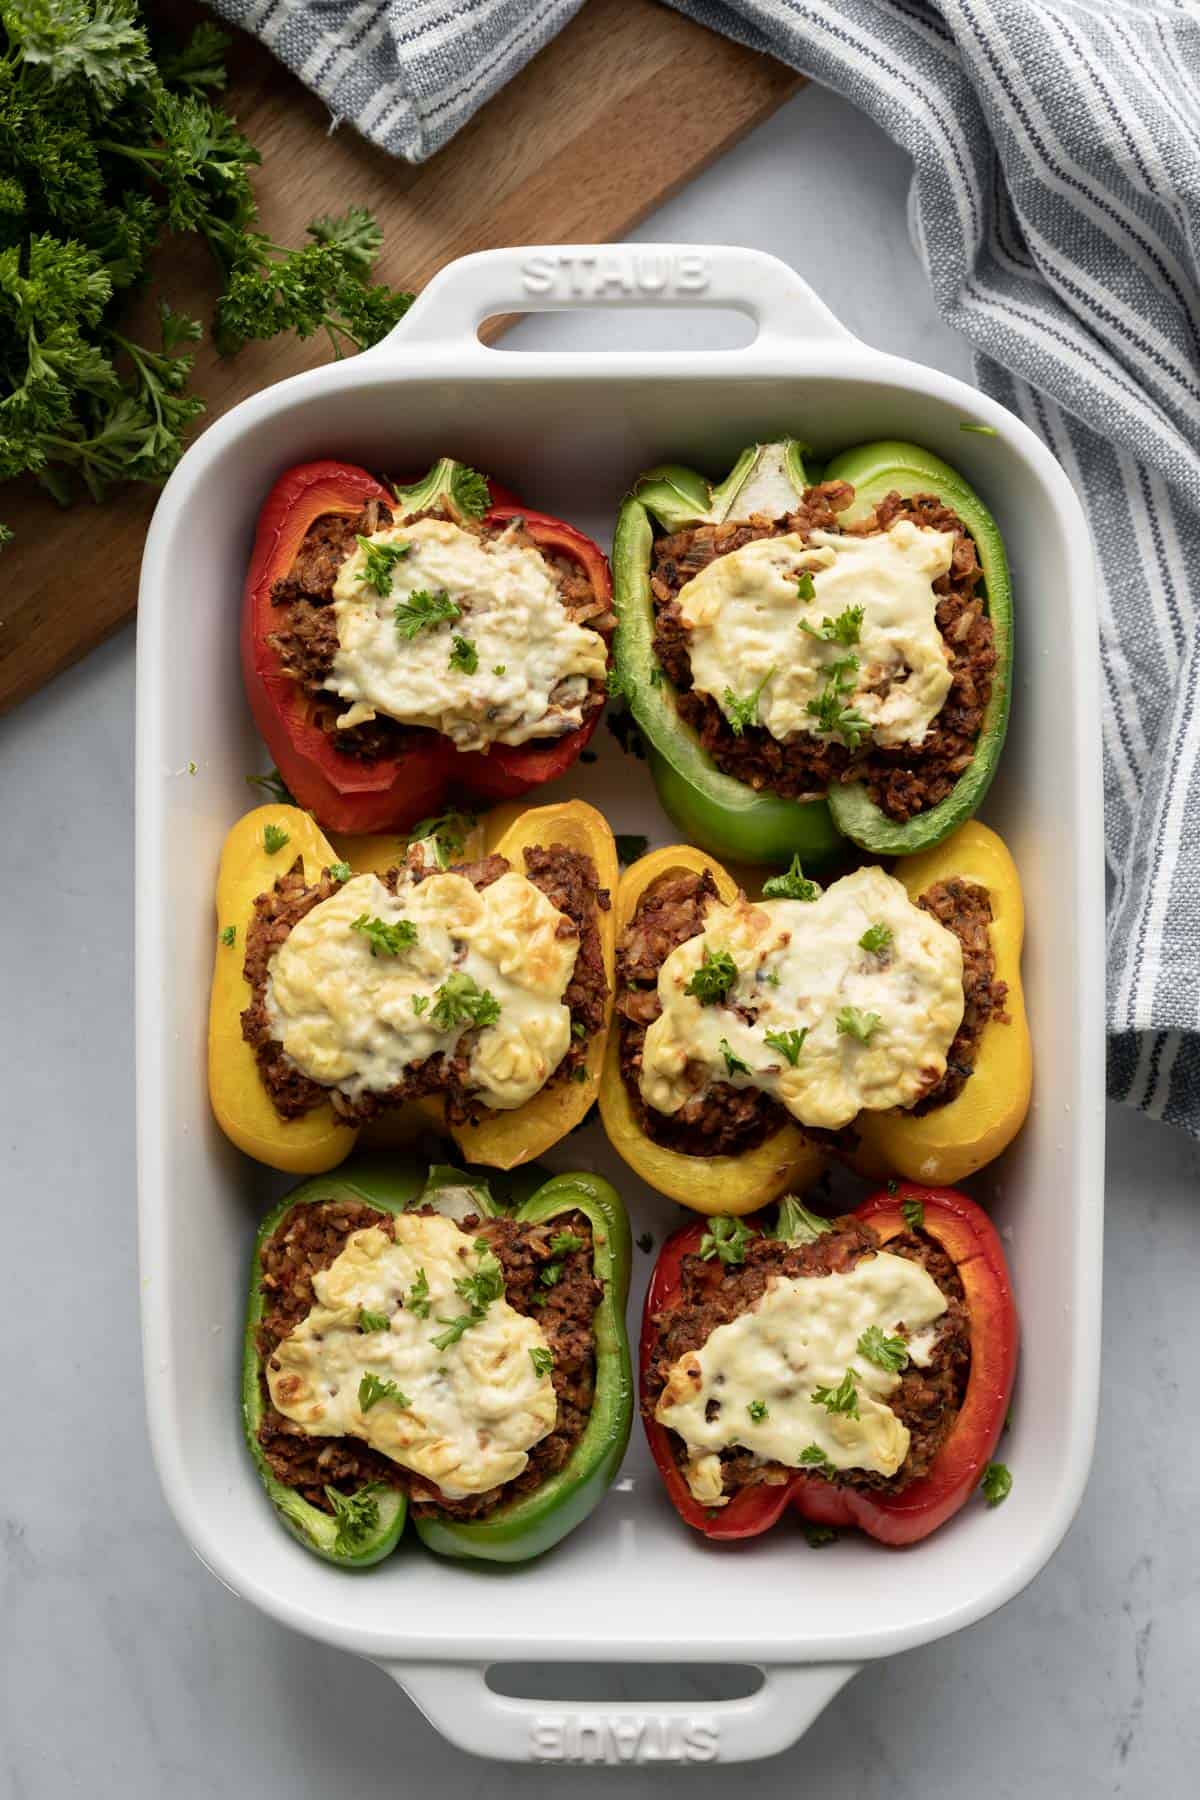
(724, 1120)
(964, 908)
(569, 881)
(711, 1294)
(310, 1238)
(306, 640)
(903, 781)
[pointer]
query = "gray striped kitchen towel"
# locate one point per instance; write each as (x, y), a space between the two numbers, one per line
(1055, 204)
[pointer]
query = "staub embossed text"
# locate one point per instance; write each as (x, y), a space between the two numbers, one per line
(605, 274)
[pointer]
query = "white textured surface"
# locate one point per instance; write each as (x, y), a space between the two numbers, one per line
(129, 1665)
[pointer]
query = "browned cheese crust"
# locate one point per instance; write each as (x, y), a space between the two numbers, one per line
(903, 781)
(712, 1294)
(724, 1120)
(306, 640)
(569, 881)
(310, 1238)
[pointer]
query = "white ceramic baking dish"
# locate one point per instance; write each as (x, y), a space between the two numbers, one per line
(569, 431)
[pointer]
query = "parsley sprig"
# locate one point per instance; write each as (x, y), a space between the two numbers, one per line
(356, 1515)
(792, 885)
(830, 710)
(713, 979)
(421, 610)
(876, 939)
(385, 939)
(742, 712)
(885, 1352)
(461, 1001)
(464, 656)
(726, 1240)
(788, 1043)
(478, 1290)
(374, 1388)
(840, 1399)
(851, 1022)
(379, 562)
(843, 630)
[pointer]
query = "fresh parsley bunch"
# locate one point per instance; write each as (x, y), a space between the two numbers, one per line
(107, 144)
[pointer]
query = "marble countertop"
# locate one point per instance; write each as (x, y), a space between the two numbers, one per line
(128, 1669)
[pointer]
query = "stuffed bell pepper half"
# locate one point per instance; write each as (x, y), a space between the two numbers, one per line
(390, 981)
(857, 1370)
(879, 1020)
(814, 660)
(419, 1342)
(400, 645)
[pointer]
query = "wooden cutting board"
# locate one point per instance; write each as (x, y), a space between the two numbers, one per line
(624, 106)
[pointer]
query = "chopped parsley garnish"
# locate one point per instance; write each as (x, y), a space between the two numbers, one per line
(193, 766)
(420, 1003)
(464, 656)
(469, 492)
(448, 831)
(499, 668)
(455, 1328)
(371, 1389)
(876, 939)
(794, 1224)
(713, 979)
(356, 1516)
(913, 1214)
(829, 708)
(840, 1399)
(418, 1296)
(788, 1043)
(843, 630)
(372, 1321)
(385, 939)
(817, 1536)
(551, 1274)
(478, 1290)
(726, 1239)
(542, 1360)
(274, 838)
(757, 1410)
(741, 713)
(631, 845)
(996, 1484)
(563, 1242)
(794, 885)
(861, 1025)
(461, 1001)
(813, 1457)
(422, 610)
(340, 871)
(885, 1352)
(379, 562)
(228, 936)
(733, 1063)
(805, 587)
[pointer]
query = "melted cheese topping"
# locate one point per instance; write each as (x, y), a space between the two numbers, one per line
(744, 615)
(471, 1411)
(802, 1334)
(346, 1017)
(799, 964)
(534, 663)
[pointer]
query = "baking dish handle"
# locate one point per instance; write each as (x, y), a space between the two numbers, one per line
(569, 277)
(458, 1702)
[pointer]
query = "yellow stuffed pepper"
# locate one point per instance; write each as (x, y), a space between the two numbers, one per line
(880, 1020)
(763, 1165)
(338, 995)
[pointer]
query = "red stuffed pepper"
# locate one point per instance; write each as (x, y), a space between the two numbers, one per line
(857, 1370)
(400, 646)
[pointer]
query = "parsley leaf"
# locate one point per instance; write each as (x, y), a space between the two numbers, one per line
(631, 845)
(449, 833)
(805, 588)
(740, 713)
(725, 1239)
(464, 656)
(788, 1043)
(550, 1274)
(830, 710)
(455, 1328)
(372, 1389)
(487, 1282)
(817, 1536)
(379, 563)
(469, 492)
(758, 1411)
(813, 1457)
(885, 1352)
(794, 885)
(733, 1063)
(356, 1515)
(417, 1302)
(372, 1321)
(563, 1242)
(913, 1214)
(876, 939)
(340, 871)
(460, 1001)
(420, 1003)
(420, 610)
(840, 1399)
(542, 1360)
(996, 1485)
(385, 939)
(228, 936)
(843, 630)
(713, 979)
(274, 838)
(861, 1025)
(794, 1224)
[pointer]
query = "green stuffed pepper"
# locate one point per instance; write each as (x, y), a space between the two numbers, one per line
(417, 1343)
(810, 660)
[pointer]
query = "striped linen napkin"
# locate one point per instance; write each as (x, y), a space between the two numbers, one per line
(1055, 205)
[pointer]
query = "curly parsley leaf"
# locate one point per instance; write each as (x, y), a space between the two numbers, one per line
(340, 871)
(542, 1360)
(422, 610)
(885, 1352)
(464, 656)
(369, 1321)
(793, 885)
(813, 1457)
(851, 1022)
(733, 1063)
(758, 1411)
(229, 936)
(997, 1482)
(417, 1301)
(743, 712)
(274, 838)
(379, 563)
(356, 1515)
(726, 1240)
(461, 1001)
(385, 939)
(794, 1224)
(844, 630)
(373, 1388)
(805, 588)
(840, 1399)
(713, 979)
(913, 1214)
(876, 939)
(469, 492)
(788, 1043)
